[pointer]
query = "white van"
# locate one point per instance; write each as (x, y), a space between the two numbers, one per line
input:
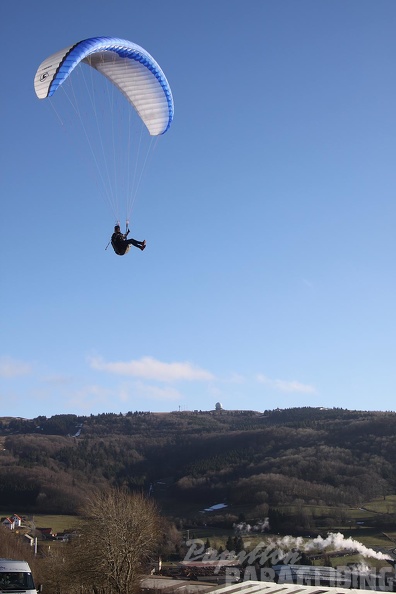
(16, 576)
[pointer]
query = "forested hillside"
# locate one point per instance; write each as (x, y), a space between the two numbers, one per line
(189, 460)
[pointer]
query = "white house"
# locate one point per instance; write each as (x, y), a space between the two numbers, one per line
(9, 523)
(17, 520)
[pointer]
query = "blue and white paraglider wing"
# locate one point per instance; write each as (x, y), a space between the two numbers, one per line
(128, 66)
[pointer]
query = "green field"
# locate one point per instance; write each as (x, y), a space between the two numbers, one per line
(57, 523)
(355, 524)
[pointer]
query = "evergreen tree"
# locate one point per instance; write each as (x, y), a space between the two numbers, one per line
(230, 544)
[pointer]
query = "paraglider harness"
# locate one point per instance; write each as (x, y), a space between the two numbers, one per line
(117, 242)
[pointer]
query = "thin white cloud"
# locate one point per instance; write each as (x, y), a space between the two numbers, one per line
(158, 393)
(57, 380)
(236, 378)
(150, 368)
(308, 283)
(90, 396)
(94, 396)
(286, 386)
(13, 368)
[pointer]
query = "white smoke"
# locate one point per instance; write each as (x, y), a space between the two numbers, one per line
(361, 567)
(242, 528)
(261, 526)
(245, 528)
(334, 542)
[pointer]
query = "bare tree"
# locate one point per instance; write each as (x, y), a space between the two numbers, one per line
(115, 543)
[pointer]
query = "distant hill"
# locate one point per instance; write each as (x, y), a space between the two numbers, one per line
(255, 463)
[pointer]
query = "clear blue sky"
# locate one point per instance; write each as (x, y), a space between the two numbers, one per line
(269, 214)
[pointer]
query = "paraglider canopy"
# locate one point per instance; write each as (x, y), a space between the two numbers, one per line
(127, 65)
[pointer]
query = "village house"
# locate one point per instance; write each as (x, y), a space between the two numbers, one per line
(17, 520)
(46, 533)
(8, 523)
(12, 522)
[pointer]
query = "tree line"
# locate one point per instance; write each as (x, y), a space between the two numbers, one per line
(261, 460)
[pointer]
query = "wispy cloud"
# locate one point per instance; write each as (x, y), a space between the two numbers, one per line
(236, 378)
(57, 379)
(308, 283)
(90, 396)
(12, 368)
(149, 368)
(285, 385)
(166, 393)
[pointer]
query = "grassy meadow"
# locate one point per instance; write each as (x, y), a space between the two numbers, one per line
(354, 523)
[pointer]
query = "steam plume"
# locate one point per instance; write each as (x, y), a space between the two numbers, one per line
(332, 543)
